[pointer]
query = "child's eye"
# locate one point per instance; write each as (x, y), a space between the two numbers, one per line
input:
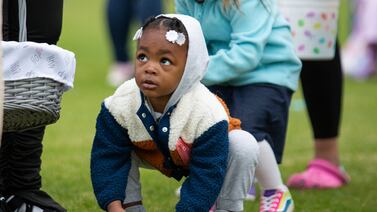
(165, 62)
(142, 58)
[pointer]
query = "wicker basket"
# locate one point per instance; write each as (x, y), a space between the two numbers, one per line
(30, 103)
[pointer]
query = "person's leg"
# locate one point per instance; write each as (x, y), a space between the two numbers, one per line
(133, 200)
(327, 149)
(43, 24)
(263, 111)
(225, 93)
(24, 159)
(268, 164)
(271, 124)
(242, 161)
(119, 15)
(148, 8)
(322, 84)
(22, 179)
(5, 150)
(323, 101)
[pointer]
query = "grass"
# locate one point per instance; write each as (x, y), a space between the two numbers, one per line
(67, 143)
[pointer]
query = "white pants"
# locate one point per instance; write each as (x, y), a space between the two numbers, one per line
(242, 161)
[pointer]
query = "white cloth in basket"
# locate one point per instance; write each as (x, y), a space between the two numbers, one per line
(23, 60)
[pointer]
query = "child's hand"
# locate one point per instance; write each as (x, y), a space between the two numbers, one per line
(115, 206)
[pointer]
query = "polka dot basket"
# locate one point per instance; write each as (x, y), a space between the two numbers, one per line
(313, 26)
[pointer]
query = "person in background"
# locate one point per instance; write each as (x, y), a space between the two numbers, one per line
(322, 85)
(1, 78)
(359, 54)
(254, 69)
(20, 153)
(165, 119)
(120, 14)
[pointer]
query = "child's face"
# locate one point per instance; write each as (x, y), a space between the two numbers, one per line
(159, 66)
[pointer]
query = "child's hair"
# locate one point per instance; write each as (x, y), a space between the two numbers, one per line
(167, 23)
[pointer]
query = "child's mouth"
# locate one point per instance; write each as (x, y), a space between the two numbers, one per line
(149, 85)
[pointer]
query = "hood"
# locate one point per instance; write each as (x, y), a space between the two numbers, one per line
(197, 58)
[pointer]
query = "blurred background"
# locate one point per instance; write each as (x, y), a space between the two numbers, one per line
(66, 155)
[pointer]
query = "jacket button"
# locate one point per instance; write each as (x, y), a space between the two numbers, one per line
(144, 115)
(164, 129)
(151, 128)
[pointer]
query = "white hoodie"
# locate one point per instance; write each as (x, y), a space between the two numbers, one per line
(197, 58)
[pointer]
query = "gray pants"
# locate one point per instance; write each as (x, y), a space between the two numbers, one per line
(242, 161)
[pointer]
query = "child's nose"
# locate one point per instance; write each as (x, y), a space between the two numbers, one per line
(151, 69)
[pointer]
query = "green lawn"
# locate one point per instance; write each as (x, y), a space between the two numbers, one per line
(67, 143)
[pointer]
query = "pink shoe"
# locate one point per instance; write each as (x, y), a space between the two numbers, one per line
(319, 174)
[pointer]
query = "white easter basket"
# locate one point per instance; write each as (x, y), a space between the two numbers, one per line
(32, 101)
(313, 26)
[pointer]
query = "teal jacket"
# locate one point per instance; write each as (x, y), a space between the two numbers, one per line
(249, 44)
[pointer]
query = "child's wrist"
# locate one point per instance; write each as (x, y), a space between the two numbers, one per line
(115, 206)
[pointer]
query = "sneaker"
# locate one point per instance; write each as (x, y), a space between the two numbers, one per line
(119, 73)
(250, 196)
(276, 200)
(14, 203)
(39, 201)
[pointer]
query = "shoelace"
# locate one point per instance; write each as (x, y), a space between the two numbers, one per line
(271, 203)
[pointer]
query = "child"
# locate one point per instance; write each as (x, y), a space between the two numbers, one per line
(253, 67)
(167, 120)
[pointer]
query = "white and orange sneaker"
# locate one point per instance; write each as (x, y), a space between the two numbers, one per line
(276, 200)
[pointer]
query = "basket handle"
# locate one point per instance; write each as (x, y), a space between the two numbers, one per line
(22, 20)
